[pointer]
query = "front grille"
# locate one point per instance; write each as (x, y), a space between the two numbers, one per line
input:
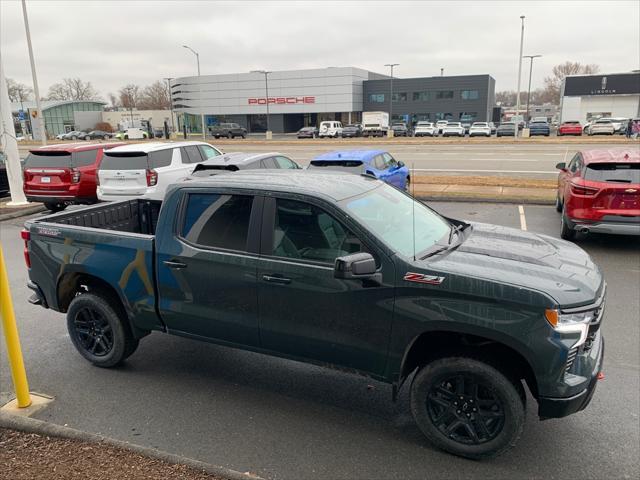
(571, 357)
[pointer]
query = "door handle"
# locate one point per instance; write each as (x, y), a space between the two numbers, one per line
(276, 279)
(176, 265)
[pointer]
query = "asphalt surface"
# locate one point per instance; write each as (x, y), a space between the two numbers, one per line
(512, 160)
(287, 420)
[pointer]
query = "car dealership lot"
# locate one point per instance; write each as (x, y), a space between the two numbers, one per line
(282, 419)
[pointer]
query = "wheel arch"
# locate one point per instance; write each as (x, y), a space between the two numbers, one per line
(431, 345)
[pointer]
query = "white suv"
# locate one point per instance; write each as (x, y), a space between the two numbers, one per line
(146, 170)
(330, 129)
(480, 128)
(425, 129)
(453, 128)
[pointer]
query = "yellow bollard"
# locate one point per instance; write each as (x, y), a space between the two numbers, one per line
(13, 340)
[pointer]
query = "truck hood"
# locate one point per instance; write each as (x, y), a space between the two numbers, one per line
(560, 269)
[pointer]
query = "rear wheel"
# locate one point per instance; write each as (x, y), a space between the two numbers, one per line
(468, 407)
(126, 137)
(99, 331)
(229, 135)
(55, 207)
(106, 137)
(74, 138)
(558, 203)
(566, 229)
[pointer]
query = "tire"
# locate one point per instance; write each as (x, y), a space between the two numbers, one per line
(106, 137)
(407, 184)
(55, 207)
(98, 330)
(244, 135)
(74, 138)
(87, 137)
(229, 135)
(566, 232)
(558, 203)
(126, 137)
(435, 395)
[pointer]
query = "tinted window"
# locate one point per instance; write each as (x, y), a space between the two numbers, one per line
(208, 151)
(284, 162)
(442, 94)
(421, 96)
(388, 159)
(192, 155)
(219, 221)
(269, 163)
(307, 232)
(376, 97)
(378, 162)
(574, 163)
(161, 158)
(469, 94)
(124, 161)
(48, 159)
(83, 159)
(613, 172)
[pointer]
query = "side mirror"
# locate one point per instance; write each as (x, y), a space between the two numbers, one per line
(356, 266)
(400, 164)
(561, 166)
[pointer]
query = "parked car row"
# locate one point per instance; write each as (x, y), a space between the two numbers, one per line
(81, 135)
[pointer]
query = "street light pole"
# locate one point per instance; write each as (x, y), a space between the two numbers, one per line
(266, 89)
(204, 135)
(530, 57)
(391, 65)
(168, 79)
(36, 90)
(519, 73)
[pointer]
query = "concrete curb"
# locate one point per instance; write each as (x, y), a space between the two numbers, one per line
(461, 198)
(22, 213)
(32, 425)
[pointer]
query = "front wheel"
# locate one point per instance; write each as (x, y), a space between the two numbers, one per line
(566, 230)
(558, 203)
(99, 331)
(467, 407)
(55, 207)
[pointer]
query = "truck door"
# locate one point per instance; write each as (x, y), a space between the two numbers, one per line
(207, 265)
(304, 310)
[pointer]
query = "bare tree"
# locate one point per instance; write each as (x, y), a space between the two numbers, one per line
(18, 92)
(72, 89)
(129, 96)
(154, 97)
(553, 83)
(506, 97)
(114, 100)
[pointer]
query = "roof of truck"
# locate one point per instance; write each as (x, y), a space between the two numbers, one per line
(333, 185)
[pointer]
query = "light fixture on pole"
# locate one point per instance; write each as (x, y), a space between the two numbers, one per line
(266, 88)
(531, 57)
(36, 90)
(519, 74)
(204, 135)
(391, 65)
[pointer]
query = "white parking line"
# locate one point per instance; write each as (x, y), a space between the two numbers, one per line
(523, 220)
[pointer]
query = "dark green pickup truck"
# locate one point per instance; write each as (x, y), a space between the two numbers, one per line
(343, 271)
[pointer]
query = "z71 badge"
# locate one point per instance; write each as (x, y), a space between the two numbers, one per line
(421, 278)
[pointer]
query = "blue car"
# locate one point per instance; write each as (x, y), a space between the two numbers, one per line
(378, 163)
(539, 128)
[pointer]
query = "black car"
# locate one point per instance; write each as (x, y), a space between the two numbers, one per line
(232, 162)
(308, 132)
(96, 134)
(400, 130)
(4, 180)
(229, 130)
(351, 131)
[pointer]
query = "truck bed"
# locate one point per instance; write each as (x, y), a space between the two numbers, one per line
(133, 216)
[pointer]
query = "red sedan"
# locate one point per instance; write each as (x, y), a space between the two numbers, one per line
(571, 127)
(599, 191)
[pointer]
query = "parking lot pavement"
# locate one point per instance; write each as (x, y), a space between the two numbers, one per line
(283, 419)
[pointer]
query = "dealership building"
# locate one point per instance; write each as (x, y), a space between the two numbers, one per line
(298, 98)
(585, 97)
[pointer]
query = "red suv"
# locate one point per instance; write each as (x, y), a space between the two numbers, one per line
(60, 175)
(599, 191)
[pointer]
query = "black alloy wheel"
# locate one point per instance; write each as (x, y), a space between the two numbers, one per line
(466, 410)
(93, 331)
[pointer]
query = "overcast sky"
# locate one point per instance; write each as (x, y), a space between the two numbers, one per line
(113, 43)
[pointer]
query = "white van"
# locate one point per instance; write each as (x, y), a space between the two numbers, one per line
(146, 170)
(330, 129)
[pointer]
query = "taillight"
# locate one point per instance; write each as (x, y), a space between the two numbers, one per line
(152, 177)
(75, 175)
(583, 190)
(26, 236)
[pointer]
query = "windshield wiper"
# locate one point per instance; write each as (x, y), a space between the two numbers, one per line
(454, 230)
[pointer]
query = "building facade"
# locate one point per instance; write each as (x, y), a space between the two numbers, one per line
(586, 97)
(123, 119)
(60, 116)
(296, 98)
(456, 98)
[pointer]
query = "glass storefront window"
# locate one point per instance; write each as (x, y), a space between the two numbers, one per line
(376, 97)
(420, 117)
(468, 116)
(444, 116)
(470, 94)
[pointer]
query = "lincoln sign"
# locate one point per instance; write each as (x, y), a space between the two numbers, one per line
(281, 100)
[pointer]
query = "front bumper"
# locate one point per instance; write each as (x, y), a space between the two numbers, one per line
(551, 407)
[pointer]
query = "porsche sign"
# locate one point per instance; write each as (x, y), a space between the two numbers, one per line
(281, 100)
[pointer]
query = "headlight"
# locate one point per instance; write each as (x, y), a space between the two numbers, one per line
(577, 322)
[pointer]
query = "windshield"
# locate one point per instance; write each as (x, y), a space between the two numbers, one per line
(396, 219)
(124, 161)
(479, 124)
(613, 172)
(48, 159)
(424, 124)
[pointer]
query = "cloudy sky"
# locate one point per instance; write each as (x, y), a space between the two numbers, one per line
(112, 43)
